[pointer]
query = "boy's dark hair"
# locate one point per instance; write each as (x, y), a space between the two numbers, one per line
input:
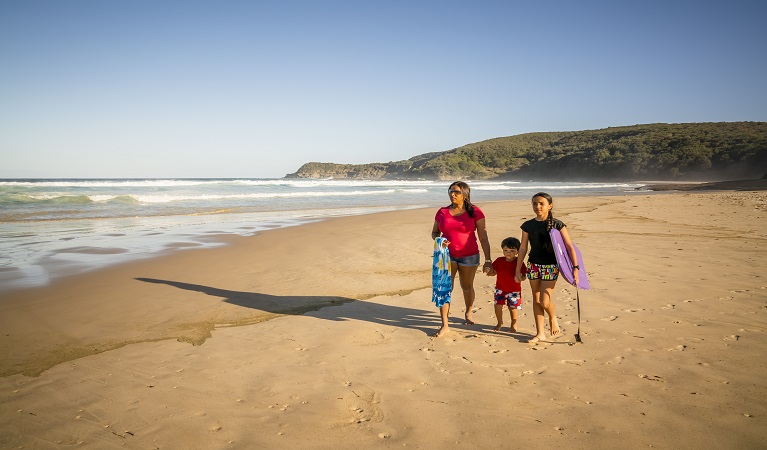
(511, 242)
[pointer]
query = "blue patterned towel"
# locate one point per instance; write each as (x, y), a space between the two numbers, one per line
(441, 281)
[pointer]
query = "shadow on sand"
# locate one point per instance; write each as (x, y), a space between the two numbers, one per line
(419, 319)
(425, 320)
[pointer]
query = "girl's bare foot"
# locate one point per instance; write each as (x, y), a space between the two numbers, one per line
(535, 339)
(555, 330)
(441, 332)
(498, 327)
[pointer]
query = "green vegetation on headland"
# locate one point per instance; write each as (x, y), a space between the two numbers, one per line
(685, 151)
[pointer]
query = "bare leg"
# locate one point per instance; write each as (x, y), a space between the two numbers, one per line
(514, 316)
(540, 335)
(498, 316)
(466, 278)
(444, 312)
(547, 289)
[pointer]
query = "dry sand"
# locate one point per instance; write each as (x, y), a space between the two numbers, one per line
(259, 344)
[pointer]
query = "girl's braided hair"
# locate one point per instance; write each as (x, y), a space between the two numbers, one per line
(550, 218)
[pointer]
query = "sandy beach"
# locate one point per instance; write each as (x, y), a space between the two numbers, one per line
(318, 336)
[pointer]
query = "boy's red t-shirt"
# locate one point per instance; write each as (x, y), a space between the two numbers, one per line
(505, 275)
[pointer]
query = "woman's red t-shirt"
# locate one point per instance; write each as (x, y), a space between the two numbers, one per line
(460, 231)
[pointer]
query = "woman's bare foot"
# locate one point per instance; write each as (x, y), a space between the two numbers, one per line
(468, 321)
(498, 327)
(440, 332)
(535, 339)
(513, 329)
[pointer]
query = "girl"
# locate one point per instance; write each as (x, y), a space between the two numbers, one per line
(542, 269)
(461, 223)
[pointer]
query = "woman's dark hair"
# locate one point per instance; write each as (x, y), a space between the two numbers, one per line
(550, 218)
(511, 242)
(466, 191)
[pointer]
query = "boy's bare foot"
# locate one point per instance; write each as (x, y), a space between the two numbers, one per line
(440, 332)
(535, 339)
(497, 327)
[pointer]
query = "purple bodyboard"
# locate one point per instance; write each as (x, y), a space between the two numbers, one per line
(565, 265)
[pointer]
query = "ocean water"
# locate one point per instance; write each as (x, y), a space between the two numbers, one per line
(55, 227)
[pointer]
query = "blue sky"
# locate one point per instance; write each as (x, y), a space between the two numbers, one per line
(255, 89)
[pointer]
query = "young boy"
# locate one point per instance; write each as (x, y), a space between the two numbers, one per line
(508, 291)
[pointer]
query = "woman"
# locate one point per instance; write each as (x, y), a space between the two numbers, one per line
(460, 224)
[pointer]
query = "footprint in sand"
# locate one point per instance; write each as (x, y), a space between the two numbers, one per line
(577, 362)
(732, 337)
(609, 319)
(462, 358)
(678, 348)
(651, 377)
(616, 360)
(498, 351)
(634, 310)
(668, 307)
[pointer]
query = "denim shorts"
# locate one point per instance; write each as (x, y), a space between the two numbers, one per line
(466, 261)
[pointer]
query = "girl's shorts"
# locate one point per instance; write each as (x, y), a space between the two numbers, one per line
(468, 261)
(512, 299)
(545, 272)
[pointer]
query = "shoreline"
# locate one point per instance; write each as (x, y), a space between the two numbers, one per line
(56, 227)
(728, 185)
(327, 325)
